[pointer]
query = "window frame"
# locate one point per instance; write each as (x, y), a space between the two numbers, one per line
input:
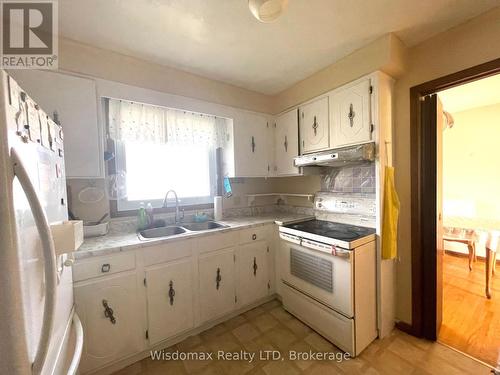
(124, 208)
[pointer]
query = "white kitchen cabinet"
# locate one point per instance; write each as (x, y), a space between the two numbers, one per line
(216, 284)
(169, 299)
(314, 128)
(109, 309)
(252, 272)
(252, 156)
(286, 143)
(351, 121)
(75, 101)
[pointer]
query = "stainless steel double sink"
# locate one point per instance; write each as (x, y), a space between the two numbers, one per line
(173, 230)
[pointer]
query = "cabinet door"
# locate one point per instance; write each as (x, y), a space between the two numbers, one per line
(110, 313)
(169, 299)
(314, 129)
(253, 276)
(75, 100)
(251, 146)
(287, 143)
(216, 278)
(351, 115)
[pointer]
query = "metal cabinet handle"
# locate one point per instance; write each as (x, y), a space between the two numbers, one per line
(108, 312)
(105, 267)
(171, 292)
(253, 143)
(255, 266)
(315, 126)
(286, 144)
(351, 115)
(254, 236)
(218, 279)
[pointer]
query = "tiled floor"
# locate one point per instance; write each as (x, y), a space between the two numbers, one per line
(270, 327)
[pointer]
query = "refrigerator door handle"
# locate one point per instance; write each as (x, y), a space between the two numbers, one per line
(78, 345)
(49, 257)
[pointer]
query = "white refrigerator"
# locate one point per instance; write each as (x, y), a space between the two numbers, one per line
(39, 330)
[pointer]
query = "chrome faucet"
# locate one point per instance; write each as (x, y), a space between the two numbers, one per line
(176, 204)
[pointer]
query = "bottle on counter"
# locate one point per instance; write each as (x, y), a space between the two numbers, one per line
(142, 219)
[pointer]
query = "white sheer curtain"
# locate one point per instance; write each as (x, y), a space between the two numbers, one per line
(158, 149)
(142, 123)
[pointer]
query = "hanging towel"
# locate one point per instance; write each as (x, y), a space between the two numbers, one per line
(391, 215)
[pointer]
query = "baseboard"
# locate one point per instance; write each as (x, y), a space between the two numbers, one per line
(405, 327)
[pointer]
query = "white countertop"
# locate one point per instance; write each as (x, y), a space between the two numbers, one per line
(113, 243)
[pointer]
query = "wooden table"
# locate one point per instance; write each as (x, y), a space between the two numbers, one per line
(469, 238)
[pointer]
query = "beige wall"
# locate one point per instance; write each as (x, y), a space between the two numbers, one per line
(471, 166)
(387, 54)
(83, 59)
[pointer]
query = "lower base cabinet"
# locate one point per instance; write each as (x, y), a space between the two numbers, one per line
(169, 299)
(252, 271)
(110, 313)
(216, 279)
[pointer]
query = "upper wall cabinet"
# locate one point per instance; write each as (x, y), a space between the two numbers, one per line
(314, 129)
(286, 146)
(75, 101)
(252, 153)
(350, 121)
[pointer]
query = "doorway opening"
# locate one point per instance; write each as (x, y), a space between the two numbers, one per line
(427, 229)
(468, 218)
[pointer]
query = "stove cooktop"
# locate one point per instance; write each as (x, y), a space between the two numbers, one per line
(338, 231)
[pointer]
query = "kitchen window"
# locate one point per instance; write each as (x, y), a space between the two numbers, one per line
(159, 149)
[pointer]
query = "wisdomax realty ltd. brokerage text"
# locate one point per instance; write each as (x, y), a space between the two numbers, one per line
(242, 355)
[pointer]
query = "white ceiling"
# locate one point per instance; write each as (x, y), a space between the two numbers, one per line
(221, 40)
(479, 93)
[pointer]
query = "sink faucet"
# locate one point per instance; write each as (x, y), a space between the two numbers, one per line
(176, 204)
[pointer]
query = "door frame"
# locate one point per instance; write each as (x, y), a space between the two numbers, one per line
(422, 139)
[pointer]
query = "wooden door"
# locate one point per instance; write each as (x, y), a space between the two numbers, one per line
(351, 115)
(253, 276)
(217, 286)
(110, 313)
(314, 128)
(169, 299)
(439, 214)
(287, 143)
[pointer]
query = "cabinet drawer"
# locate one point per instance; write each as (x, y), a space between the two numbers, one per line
(103, 266)
(168, 252)
(217, 241)
(254, 234)
(335, 327)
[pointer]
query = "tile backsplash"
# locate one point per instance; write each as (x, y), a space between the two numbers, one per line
(358, 179)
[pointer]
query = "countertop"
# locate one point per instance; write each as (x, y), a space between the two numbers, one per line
(113, 243)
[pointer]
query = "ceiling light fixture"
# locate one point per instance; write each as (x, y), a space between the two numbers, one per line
(267, 10)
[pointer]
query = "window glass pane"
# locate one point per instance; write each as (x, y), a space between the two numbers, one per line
(153, 169)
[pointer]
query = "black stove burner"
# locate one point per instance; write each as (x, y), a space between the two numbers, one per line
(338, 231)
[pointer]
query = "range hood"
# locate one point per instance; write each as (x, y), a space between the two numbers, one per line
(340, 157)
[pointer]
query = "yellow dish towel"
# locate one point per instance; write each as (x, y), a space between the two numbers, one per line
(391, 215)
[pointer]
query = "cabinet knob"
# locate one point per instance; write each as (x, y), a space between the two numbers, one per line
(171, 292)
(105, 268)
(108, 312)
(254, 236)
(218, 279)
(351, 115)
(255, 266)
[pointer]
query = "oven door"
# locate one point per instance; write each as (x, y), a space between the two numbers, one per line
(326, 278)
